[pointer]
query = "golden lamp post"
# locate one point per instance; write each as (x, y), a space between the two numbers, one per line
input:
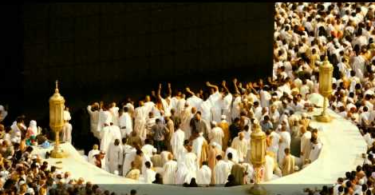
(325, 88)
(257, 156)
(56, 120)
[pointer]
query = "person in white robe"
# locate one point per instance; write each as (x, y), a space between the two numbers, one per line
(183, 175)
(105, 118)
(221, 171)
(234, 154)
(177, 142)
(227, 102)
(216, 134)
(125, 122)
(148, 149)
(316, 147)
(149, 104)
(269, 167)
(33, 128)
(285, 140)
(240, 144)
(140, 116)
(91, 155)
(194, 100)
(206, 110)
(265, 98)
(216, 102)
(186, 116)
(149, 174)
(107, 136)
(197, 148)
(305, 144)
(114, 157)
(190, 160)
(17, 126)
(114, 110)
(67, 132)
(204, 175)
(94, 118)
(129, 157)
(169, 170)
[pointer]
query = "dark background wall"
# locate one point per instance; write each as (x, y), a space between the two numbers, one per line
(111, 51)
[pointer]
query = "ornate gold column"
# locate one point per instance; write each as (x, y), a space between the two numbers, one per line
(257, 157)
(325, 88)
(56, 120)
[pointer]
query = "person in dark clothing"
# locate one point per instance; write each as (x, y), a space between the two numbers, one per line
(197, 124)
(234, 128)
(158, 179)
(193, 183)
(159, 132)
(231, 181)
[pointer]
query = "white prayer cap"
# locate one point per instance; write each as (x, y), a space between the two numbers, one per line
(214, 144)
(223, 117)
(4, 174)
(22, 182)
(1, 108)
(304, 115)
(214, 123)
(30, 191)
(67, 116)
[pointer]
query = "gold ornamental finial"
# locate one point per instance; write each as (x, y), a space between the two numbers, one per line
(326, 59)
(57, 87)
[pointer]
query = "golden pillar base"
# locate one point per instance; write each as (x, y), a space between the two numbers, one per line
(58, 153)
(324, 118)
(256, 189)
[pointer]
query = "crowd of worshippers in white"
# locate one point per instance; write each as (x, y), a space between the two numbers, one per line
(176, 140)
(307, 32)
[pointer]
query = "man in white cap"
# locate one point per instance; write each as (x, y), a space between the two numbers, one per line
(216, 134)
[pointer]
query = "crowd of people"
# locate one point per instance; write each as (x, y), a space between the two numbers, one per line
(344, 32)
(192, 138)
(25, 173)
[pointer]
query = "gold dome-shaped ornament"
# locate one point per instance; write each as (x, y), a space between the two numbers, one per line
(56, 120)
